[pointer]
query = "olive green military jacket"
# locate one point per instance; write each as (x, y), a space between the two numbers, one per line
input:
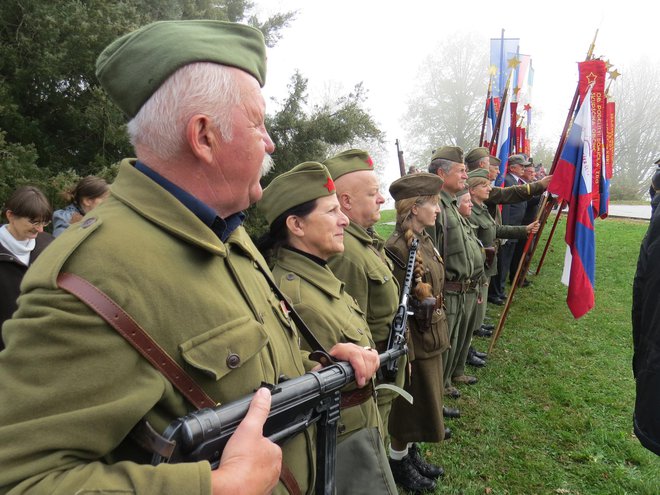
(367, 276)
(333, 317)
(450, 238)
(424, 343)
(509, 195)
(476, 253)
(488, 231)
(73, 388)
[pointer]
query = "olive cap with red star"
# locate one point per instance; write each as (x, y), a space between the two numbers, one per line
(348, 161)
(304, 182)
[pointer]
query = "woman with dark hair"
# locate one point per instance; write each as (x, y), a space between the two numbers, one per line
(416, 204)
(306, 228)
(86, 195)
(22, 239)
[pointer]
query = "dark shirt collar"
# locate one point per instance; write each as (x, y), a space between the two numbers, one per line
(315, 259)
(222, 227)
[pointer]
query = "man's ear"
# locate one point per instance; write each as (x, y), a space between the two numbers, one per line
(200, 137)
(295, 225)
(344, 201)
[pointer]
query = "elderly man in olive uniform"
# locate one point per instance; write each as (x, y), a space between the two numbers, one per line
(168, 247)
(451, 239)
(363, 266)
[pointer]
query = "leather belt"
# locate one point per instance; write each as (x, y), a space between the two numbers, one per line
(357, 397)
(457, 286)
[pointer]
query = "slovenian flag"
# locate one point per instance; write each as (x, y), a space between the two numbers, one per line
(572, 182)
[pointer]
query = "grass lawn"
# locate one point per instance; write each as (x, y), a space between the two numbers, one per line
(552, 412)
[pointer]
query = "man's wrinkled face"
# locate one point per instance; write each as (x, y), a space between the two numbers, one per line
(455, 178)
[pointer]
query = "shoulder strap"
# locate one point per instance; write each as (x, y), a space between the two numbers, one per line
(128, 328)
(300, 324)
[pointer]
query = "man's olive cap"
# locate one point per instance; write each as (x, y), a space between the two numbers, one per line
(494, 161)
(519, 160)
(413, 185)
(451, 153)
(303, 183)
(134, 66)
(348, 161)
(476, 154)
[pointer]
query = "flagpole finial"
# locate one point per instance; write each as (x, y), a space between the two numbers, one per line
(592, 46)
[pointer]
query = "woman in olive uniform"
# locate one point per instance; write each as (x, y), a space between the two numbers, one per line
(488, 231)
(306, 228)
(417, 206)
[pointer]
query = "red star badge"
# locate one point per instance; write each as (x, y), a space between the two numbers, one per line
(329, 185)
(369, 162)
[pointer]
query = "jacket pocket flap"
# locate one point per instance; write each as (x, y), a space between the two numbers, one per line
(224, 348)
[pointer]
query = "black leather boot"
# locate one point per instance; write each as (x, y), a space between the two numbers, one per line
(405, 474)
(424, 468)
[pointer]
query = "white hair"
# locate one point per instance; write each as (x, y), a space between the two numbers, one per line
(197, 88)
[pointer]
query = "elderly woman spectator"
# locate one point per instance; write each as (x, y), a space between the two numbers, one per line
(22, 240)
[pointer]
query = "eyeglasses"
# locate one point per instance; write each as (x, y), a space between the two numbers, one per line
(38, 223)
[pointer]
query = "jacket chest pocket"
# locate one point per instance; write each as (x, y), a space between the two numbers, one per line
(220, 351)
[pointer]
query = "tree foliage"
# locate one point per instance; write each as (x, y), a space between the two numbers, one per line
(446, 106)
(637, 132)
(50, 102)
(313, 133)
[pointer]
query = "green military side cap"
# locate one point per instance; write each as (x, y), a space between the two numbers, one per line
(303, 183)
(479, 172)
(134, 66)
(451, 153)
(413, 185)
(463, 191)
(519, 160)
(476, 154)
(494, 161)
(477, 176)
(348, 161)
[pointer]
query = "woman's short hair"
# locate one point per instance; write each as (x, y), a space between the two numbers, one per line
(29, 202)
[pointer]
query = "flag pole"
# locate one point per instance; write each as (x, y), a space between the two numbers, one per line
(552, 231)
(500, 113)
(544, 211)
(483, 122)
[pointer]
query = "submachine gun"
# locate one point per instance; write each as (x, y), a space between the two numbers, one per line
(297, 403)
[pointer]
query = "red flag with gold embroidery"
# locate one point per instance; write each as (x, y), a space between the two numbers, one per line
(595, 71)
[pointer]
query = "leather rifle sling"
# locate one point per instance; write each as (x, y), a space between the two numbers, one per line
(128, 328)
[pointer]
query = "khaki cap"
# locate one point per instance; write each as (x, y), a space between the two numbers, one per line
(348, 161)
(410, 186)
(303, 183)
(476, 154)
(519, 160)
(494, 161)
(134, 66)
(451, 153)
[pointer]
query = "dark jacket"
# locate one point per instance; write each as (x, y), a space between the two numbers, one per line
(11, 274)
(512, 214)
(646, 338)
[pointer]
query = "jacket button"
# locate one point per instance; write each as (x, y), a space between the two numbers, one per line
(290, 276)
(88, 221)
(233, 361)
